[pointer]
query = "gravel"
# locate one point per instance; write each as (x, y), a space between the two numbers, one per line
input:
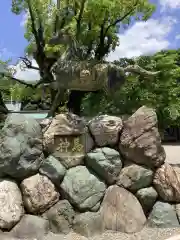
(145, 234)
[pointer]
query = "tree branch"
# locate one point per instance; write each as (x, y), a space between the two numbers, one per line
(40, 55)
(90, 45)
(7, 91)
(100, 47)
(122, 18)
(34, 31)
(138, 70)
(78, 20)
(28, 63)
(58, 5)
(25, 83)
(41, 34)
(18, 80)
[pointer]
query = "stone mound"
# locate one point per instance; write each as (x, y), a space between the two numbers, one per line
(66, 174)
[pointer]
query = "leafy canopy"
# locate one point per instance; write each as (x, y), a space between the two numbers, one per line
(90, 22)
(162, 93)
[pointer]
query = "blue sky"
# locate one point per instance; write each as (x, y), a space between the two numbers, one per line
(12, 42)
(163, 11)
(162, 31)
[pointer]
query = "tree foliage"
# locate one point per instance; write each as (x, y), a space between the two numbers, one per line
(90, 24)
(93, 23)
(163, 93)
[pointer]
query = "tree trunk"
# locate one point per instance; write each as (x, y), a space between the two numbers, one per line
(3, 111)
(75, 100)
(59, 98)
(53, 94)
(3, 108)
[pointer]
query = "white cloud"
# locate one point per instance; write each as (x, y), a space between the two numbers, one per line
(143, 38)
(170, 4)
(25, 74)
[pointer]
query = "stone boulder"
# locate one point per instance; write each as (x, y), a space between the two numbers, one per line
(106, 162)
(53, 169)
(11, 204)
(39, 193)
(45, 123)
(163, 215)
(30, 226)
(121, 211)
(147, 197)
(17, 124)
(60, 217)
(82, 188)
(88, 224)
(67, 139)
(106, 130)
(134, 177)
(63, 125)
(20, 146)
(167, 183)
(140, 140)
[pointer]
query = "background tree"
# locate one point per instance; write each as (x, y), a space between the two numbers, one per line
(11, 88)
(163, 93)
(5, 84)
(91, 24)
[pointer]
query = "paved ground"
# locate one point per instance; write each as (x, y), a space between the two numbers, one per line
(172, 153)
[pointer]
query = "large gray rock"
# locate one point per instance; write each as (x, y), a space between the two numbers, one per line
(53, 169)
(30, 226)
(121, 211)
(134, 177)
(105, 162)
(88, 224)
(20, 146)
(11, 205)
(39, 193)
(60, 217)
(163, 215)
(167, 183)
(106, 129)
(82, 188)
(17, 123)
(140, 140)
(147, 197)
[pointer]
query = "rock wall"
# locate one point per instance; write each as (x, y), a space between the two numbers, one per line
(68, 174)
